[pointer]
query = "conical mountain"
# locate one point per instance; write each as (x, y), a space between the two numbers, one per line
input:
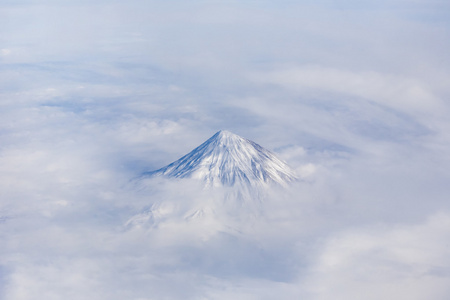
(228, 159)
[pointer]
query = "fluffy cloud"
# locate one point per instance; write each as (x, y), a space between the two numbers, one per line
(404, 262)
(352, 95)
(398, 93)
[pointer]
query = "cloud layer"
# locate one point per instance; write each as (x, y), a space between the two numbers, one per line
(354, 96)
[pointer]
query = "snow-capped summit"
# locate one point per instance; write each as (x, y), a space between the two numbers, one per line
(228, 159)
(243, 169)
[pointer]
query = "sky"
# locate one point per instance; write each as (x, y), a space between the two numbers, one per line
(353, 95)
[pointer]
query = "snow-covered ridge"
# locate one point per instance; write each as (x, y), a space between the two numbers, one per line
(228, 159)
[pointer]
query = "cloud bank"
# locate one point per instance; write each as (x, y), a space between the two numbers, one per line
(354, 96)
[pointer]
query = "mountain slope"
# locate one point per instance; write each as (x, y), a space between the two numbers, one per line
(228, 159)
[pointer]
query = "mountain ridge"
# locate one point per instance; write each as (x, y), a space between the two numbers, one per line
(226, 159)
(235, 177)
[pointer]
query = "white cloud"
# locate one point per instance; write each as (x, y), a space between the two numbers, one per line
(352, 95)
(404, 262)
(400, 93)
(5, 52)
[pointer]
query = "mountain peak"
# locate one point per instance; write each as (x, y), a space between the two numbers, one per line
(227, 139)
(225, 134)
(228, 159)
